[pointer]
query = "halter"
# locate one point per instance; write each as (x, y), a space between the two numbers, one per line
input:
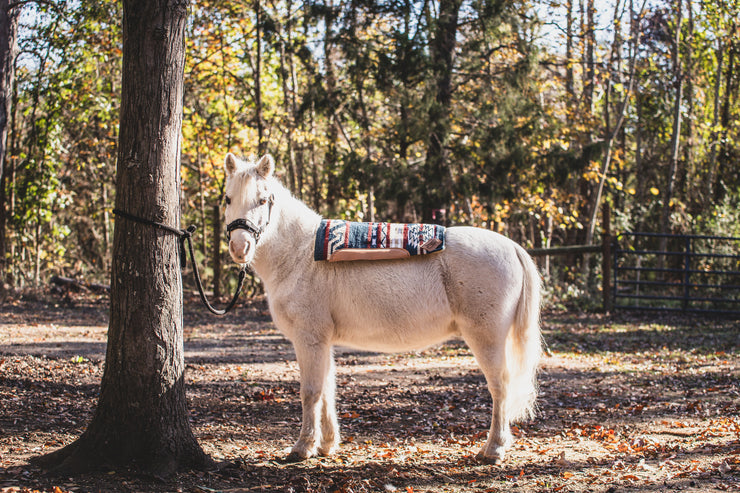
(249, 226)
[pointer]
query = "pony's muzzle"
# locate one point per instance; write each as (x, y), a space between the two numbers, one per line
(239, 251)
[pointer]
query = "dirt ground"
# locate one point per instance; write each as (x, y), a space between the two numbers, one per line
(627, 403)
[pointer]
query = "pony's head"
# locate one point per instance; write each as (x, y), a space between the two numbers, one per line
(248, 203)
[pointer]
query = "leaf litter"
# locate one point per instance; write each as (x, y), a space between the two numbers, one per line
(627, 403)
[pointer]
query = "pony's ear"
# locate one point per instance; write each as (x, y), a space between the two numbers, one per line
(230, 164)
(266, 166)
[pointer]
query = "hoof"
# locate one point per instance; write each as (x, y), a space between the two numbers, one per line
(325, 451)
(495, 460)
(294, 457)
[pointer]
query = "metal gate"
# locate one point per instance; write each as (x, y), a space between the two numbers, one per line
(696, 273)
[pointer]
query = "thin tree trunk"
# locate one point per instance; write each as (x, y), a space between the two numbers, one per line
(289, 110)
(676, 133)
(105, 225)
(331, 154)
(612, 134)
(261, 144)
(589, 72)
(640, 171)
(569, 81)
(8, 48)
(8, 208)
(300, 152)
(141, 420)
(37, 248)
(714, 139)
(687, 177)
(364, 121)
(437, 192)
(315, 175)
(725, 157)
(8, 31)
(216, 251)
(202, 203)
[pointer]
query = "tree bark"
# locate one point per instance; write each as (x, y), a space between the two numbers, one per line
(216, 251)
(589, 72)
(676, 133)
(331, 155)
(261, 144)
(286, 59)
(437, 191)
(8, 32)
(687, 187)
(611, 134)
(714, 136)
(569, 81)
(725, 148)
(141, 420)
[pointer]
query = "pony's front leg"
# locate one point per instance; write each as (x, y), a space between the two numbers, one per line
(314, 362)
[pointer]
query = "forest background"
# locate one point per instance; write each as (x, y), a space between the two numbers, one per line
(516, 116)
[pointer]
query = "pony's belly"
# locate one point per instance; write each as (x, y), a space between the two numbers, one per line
(391, 308)
(412, 336)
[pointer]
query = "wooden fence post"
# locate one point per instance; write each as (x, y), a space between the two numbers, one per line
(606, 257)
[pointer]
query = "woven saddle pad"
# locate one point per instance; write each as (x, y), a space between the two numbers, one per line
(338, 240)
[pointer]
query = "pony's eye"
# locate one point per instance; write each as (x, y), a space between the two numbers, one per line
(227, 200)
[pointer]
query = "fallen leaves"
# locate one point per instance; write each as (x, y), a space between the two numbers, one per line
(626, 405)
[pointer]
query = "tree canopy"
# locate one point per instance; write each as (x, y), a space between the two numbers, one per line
(520, 117)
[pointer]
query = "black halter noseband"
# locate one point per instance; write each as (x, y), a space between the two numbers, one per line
(249, 226)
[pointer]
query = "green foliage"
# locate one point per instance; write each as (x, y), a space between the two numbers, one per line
(62, 145)
(365, 119)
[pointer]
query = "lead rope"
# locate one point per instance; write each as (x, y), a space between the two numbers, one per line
(186, 235)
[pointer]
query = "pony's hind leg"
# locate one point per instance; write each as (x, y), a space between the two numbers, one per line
(329, 425)
(491, 357)
(315, 365)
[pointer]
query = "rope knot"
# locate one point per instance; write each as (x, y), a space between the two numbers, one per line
(187, 233)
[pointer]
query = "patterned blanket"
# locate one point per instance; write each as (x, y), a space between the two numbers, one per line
(338, 240)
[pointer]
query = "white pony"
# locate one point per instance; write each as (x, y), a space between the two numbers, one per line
(482, 287)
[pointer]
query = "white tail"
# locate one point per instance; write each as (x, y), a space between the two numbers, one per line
(525, 343)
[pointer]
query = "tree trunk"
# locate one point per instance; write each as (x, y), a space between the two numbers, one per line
(261, 144)
(8, 31)
(331, 155)
(285, 59)
(714, 136)
(141, 420)
(569, 81)
(216, 251)
(687, 177)
(437, 191)
(725, 154)
(676, 133)
(589, 72)
(611, 134)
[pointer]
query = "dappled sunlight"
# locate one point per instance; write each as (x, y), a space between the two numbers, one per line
(643, 411)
